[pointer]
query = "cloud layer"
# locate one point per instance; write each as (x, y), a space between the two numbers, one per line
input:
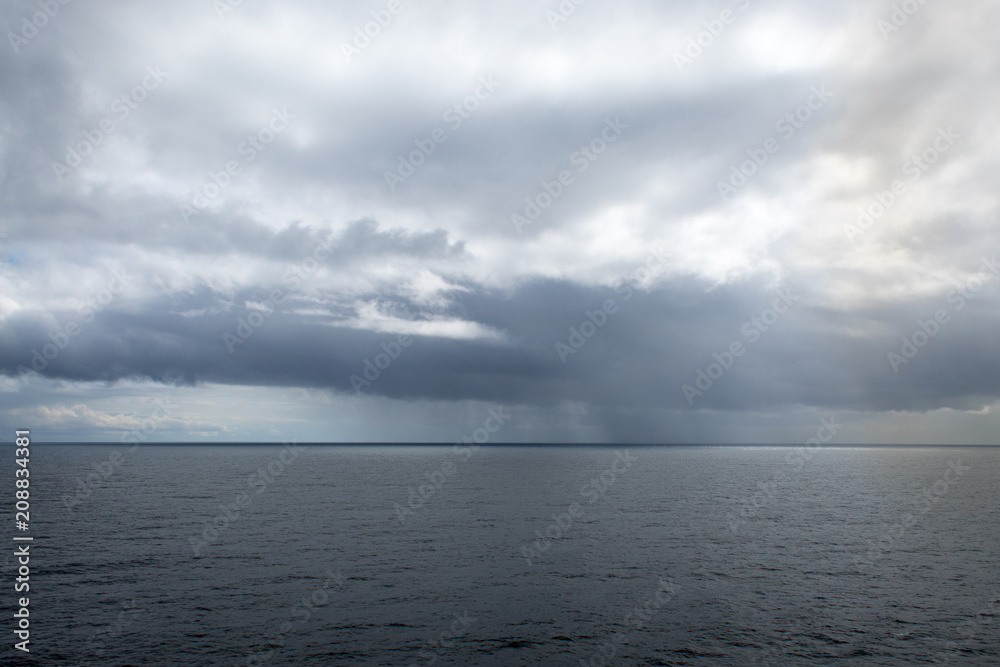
(642, 221)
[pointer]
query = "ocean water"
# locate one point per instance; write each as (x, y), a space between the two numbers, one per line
(381, 555)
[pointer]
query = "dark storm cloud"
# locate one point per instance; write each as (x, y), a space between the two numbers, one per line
(651, 344)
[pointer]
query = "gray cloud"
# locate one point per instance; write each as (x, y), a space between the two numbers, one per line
(438, 257)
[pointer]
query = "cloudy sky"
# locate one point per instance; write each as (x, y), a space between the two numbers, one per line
(375, 221)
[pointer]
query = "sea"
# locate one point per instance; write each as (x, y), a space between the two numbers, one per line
(292, 554)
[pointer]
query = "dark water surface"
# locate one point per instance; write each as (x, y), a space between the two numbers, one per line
(517, 556)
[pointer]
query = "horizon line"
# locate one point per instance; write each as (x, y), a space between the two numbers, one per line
(496, 444)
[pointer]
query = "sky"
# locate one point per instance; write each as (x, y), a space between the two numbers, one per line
(525, 222)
